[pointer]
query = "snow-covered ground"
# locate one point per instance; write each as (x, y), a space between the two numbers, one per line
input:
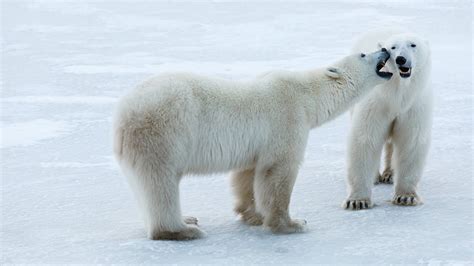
(64, 64)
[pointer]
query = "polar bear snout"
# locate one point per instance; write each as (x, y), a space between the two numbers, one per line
(404, 66)
(400, 60)
(382, 58)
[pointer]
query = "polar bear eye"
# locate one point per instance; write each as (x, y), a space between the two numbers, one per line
(393, 47)
(413, 45)
(362, 55)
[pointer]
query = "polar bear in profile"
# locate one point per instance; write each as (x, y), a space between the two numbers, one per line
(398, 116)
(178, 124)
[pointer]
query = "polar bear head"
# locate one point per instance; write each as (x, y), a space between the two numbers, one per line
(408, 52)
(362, 69)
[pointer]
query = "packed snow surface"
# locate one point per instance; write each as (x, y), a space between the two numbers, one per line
(64, 65)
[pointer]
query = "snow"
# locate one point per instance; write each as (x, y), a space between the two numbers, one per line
(31, 132)
(60, 99)
(64, 65)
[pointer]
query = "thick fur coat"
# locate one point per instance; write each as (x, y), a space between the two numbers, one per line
(397, 115)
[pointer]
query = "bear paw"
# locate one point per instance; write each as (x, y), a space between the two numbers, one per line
(251, 217)
(190, 220)
(189, 232)
(386, 177)
(406, 200)
(293, 226)
(357, 204)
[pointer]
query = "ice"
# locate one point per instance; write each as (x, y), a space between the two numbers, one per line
(65, 64)
(60, 99)
(31, 132)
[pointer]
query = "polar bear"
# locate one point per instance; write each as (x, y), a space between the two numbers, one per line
(397, 116)
(178, 124)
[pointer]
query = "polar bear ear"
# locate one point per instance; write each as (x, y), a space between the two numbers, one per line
(333, 72)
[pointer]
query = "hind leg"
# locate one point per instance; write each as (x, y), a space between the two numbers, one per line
(242, 182)
(387, 176)
(158, 195)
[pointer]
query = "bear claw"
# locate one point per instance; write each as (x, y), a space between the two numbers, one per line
(190, 220)
(386, 177)
(357, 204)
(406, 200)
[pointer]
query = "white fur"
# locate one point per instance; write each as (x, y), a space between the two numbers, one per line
(178, 124)
(397, 115)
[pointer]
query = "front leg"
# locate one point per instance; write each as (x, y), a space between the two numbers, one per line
(412, 134)
(368, 134)
(273, 187)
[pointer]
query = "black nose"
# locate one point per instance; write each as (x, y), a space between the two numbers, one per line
(400, 60)
(384, 50)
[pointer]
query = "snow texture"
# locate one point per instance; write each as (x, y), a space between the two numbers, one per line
(64, 64)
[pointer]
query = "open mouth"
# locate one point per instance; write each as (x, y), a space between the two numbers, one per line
(381, 70)
(405, 72)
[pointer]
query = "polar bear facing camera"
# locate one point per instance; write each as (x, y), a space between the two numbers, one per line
(178, 124)
(397, 116)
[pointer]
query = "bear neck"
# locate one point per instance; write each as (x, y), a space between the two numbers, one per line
(331, 97)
